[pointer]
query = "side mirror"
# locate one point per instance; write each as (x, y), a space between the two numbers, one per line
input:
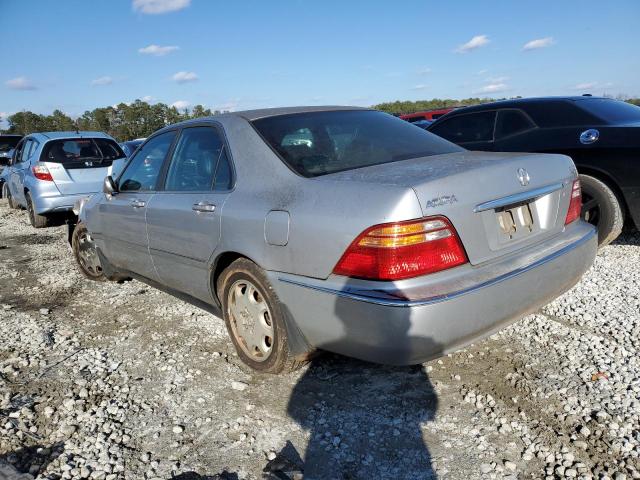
(109, 187)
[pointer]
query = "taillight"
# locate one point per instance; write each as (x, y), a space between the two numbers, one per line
(42, 173)
(575, 205)
(394, 251)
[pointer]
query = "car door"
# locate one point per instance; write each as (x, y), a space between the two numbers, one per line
(183, 220)
(123, 215)
(473, 131)
(20, 170)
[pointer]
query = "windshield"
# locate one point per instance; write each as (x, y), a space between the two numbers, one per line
(8, 143)
(611, 111)
(319, 143)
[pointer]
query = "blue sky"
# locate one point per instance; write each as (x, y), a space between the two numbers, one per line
(76, 55)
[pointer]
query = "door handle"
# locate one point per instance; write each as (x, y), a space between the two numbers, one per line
(203, 207)
(138, 203)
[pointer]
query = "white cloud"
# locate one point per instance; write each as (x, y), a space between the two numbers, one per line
(473, 44)
(157, 50)
(181, 104)
(497, 79)
(147, 98)
(20, 83)
(420, 86)
(102, 81)
(586, 86)
(154, 7)
(493, 88)
(184, 77)
(538, 43)
(424, 71)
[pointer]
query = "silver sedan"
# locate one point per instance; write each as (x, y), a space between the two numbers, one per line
(338, 229)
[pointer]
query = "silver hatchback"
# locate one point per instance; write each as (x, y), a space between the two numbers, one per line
(50, 171)
(339, 229)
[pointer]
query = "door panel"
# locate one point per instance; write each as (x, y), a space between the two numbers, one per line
(125, 232)
(181, 239)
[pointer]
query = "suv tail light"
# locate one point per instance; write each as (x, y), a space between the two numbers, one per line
(42, 173)
(395, 251)
(575, 205)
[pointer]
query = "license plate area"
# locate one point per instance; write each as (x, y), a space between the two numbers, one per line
(514, 222)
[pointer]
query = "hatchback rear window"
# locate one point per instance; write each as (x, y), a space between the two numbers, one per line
(82, 152)
(319, 143)
(611, 111)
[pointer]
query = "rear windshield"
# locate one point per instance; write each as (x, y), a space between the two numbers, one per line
(319, 143)
(7, 143)
(611, 111)
(82, 152)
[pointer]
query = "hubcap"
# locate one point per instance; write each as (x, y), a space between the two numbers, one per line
(87, 255)
(590, 209)
(250, 319)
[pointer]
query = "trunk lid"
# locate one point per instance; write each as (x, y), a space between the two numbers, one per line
(79, 165)
(482, 193)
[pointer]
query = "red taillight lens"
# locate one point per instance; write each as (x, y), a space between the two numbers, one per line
(575, 205)
(42, 173)
(394, 251)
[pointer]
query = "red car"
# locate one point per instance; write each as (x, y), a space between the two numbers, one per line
(430, 115)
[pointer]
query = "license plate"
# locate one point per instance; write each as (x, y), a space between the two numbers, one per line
(515, 221)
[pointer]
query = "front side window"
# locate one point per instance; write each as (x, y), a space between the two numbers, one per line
(194, 162)
(141, 173)
(470, 127)
(319, 143)
(511, 122)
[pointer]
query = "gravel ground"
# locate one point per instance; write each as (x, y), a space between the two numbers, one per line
(109, 381)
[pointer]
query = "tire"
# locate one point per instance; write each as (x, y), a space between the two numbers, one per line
(37, 221)
(85, 254)
(10, 200)
(243, 283)
(601, 208)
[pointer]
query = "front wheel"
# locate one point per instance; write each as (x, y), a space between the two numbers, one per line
(7, 194)
(601, 208)
(37, 221)
(254, 318)
(86, 255)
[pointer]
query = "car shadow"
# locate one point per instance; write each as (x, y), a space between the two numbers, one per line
(364, 420)
(629, 236)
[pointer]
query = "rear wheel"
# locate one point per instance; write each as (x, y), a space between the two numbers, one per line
(37, 221)
(254, 318)
(7, 195)
(86, 255)
(601, 208)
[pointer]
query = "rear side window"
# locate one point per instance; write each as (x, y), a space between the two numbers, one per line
(511, 122)
(319, 143)
(82, 152)
(196, 158)
(470, 127)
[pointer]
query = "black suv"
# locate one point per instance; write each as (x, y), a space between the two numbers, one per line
(601, 135)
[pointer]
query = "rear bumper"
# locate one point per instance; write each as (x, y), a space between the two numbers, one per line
(413, 321)
(55, 203)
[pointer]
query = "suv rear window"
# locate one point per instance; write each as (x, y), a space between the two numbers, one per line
(319, 143)
(82, 152)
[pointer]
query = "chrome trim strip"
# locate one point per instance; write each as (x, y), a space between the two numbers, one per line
(517, 197)
(441, 298)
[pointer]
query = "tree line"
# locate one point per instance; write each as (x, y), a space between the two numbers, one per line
(140, 119)
(123, 121)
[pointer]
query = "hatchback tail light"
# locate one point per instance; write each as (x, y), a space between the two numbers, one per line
(575, 205)
(395, 251)
(42, 173)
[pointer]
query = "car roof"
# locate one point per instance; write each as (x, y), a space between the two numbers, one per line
(68, 135)
(519, 102)
(11, 135)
